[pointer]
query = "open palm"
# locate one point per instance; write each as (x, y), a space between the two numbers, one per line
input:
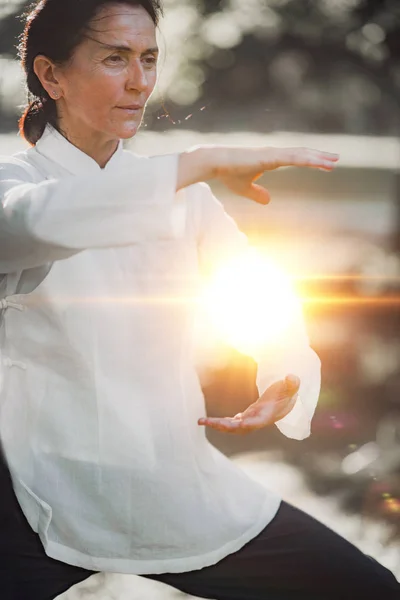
(274, 404)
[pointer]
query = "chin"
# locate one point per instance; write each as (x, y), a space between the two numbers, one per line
(127, 133)
(128, 129)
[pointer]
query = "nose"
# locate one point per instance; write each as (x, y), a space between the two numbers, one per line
(138, 77)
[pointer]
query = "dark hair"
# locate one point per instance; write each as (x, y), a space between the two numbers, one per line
(55, 28)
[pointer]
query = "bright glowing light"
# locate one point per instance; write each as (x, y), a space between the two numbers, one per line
(250, 303)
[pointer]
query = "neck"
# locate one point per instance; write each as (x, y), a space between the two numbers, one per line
(95, 145)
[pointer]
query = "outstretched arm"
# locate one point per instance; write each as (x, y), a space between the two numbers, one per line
(55, 219)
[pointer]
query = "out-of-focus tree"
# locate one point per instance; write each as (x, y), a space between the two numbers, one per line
(326, 66)
(331, 65)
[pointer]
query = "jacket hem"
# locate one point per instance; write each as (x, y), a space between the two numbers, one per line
(160, 566)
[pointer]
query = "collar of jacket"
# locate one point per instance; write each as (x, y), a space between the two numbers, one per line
(57, 148)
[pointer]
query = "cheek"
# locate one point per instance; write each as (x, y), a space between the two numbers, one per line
(152, 80)
(94, 92)
(98, 92)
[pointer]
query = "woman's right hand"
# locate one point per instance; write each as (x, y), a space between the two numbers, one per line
(239, 167)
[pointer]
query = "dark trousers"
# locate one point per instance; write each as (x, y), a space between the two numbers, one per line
(294, 558)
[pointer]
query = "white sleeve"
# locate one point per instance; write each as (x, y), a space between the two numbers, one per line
(296, 357)
(220, 238)
(54, 219)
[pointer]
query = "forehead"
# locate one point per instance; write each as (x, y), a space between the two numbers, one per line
(121, 23)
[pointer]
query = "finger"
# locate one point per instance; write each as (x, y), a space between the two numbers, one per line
(221, 424)
(316, 162)
(318, 159)
(311, 153)
(307, 157)
(239, 427)
(249, 189)
(216, 421)
(258, 194)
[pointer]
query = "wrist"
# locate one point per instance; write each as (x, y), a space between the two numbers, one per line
(196, 164)
(208, 159)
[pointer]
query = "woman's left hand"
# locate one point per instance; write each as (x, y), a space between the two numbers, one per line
(274, 404)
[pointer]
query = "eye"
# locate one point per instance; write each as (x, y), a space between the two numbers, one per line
(115, 59)
(150, 61)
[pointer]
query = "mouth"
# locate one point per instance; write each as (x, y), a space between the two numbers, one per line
(133, 109)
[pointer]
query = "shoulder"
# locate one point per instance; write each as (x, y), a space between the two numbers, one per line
(198, 194)
(128, 156)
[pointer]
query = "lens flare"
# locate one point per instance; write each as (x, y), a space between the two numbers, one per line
(250, 302)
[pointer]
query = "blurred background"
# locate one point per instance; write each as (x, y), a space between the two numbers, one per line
(323, 74)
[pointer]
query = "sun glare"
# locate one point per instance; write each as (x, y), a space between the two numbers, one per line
(250, 303)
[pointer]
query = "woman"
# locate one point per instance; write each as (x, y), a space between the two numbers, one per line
(108, 467)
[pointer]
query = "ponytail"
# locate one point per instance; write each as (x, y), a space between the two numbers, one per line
(36, 116)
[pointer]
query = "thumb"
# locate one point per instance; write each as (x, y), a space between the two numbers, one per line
(258, 193)
(248, 189)
(292, 384)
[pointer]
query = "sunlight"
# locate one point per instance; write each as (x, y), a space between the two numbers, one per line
(250, 302)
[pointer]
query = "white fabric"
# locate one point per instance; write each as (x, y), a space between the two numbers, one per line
(100, 396)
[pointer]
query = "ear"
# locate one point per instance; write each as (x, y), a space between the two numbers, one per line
(45, 71)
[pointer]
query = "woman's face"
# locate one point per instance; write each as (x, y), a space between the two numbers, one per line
(107, 83)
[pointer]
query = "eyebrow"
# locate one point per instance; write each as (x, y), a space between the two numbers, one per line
(126, 48)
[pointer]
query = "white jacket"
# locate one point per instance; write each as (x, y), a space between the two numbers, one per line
(100, 397)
